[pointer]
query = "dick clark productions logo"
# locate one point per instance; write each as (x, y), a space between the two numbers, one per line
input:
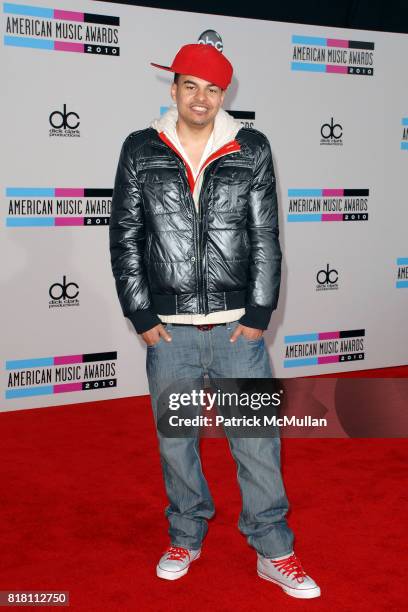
(64, 122)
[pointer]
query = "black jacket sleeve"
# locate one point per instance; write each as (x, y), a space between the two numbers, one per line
(127, 243)
(266, 255)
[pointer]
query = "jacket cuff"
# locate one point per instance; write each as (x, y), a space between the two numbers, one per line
(143, 320)
(257, 317)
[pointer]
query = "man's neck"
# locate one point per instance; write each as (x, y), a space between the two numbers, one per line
(193, 134)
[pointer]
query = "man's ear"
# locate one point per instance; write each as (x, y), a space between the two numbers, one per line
(173, 91)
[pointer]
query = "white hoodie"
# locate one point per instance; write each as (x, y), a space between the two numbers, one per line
(225, 130)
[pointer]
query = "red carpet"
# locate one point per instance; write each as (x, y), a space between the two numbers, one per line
(82, 506)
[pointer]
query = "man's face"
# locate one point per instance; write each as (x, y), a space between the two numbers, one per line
(198, 101)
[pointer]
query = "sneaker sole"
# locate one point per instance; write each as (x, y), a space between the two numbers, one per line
(298, 593)
(166, 575)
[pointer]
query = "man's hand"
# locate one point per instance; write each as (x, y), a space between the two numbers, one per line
(250, 333)
(152, 336)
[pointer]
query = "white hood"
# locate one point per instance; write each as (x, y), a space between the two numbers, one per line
(225, 126)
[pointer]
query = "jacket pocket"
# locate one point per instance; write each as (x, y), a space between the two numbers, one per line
(231, 194)
(162, 197)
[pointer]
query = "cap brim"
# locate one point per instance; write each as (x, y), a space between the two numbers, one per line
(162, 67)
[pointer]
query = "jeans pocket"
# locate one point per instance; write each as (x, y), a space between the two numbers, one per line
(256, 341)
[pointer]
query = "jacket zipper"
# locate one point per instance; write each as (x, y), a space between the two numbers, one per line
(212, 158)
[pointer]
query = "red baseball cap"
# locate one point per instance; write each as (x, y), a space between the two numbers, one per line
(203, 61)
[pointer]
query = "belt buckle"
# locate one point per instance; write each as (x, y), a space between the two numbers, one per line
(205, 326)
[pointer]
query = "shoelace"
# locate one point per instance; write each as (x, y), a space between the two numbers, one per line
(289, 566)
(177, 553)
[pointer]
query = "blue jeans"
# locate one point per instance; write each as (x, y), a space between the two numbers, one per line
(191, 354)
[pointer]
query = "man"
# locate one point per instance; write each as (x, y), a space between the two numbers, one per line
(196, 258)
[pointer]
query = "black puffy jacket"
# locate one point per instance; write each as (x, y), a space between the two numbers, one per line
(168, 259)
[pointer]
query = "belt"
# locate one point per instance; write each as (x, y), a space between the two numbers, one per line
(204, 327)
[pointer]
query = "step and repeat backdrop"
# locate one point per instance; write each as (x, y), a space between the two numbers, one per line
(77, 80)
